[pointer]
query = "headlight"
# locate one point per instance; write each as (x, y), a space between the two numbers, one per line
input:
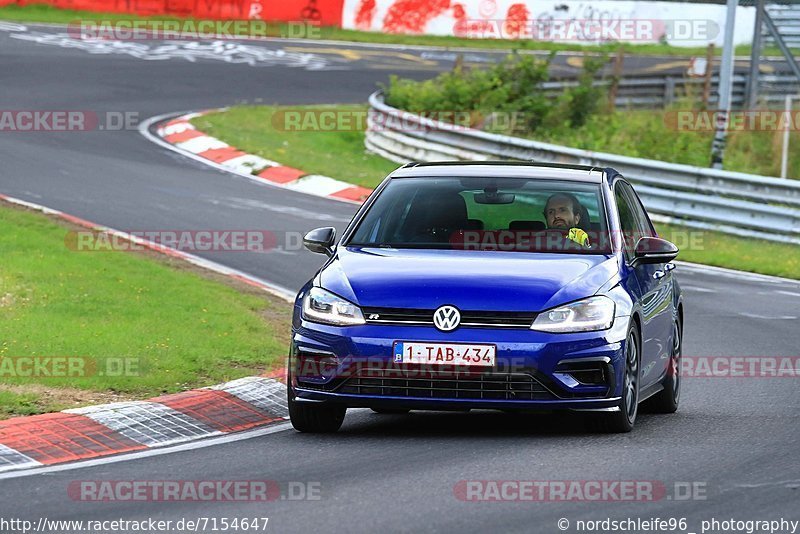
(594, 313)
(324, 307)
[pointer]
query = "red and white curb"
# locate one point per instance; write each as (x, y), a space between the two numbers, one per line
(104, 430)
(179, 134)
(125, 427)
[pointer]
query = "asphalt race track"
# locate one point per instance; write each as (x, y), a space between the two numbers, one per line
(737, 438)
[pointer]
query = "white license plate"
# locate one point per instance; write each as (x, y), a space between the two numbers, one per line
(445, 354)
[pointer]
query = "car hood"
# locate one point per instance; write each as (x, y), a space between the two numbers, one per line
(470, 280)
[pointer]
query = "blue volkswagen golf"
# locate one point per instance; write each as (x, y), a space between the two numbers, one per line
(504, 286)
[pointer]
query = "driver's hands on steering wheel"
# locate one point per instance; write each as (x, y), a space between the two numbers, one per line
(580, 237)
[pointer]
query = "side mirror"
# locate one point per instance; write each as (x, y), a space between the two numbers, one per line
(320, 240)
(651, 250)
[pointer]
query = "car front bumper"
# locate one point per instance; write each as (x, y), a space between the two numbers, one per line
(534, 370)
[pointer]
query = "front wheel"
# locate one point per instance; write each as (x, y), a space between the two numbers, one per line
(667, 400)
(316, 418)
(623, 419)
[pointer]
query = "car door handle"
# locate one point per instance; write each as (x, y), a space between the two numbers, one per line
(669, 267)
(658, 275)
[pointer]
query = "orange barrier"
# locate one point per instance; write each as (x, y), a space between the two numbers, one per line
(326, 12)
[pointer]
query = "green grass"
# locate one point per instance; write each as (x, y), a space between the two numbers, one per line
(48, 14)
(721, 250)
(15, 404)
(646, 134)
(342, 155)
(181, 329)
(338, 154)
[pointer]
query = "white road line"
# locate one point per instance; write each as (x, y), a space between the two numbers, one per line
(732, 273)
(790, 293)
(768, 317)
(12, 27)
(697, 289)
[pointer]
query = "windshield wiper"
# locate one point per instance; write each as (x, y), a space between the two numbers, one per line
(399, 246)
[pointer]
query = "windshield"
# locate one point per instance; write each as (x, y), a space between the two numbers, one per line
(491, 214)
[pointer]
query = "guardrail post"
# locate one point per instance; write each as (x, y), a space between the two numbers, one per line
(669, 91)
(751, 97)
(724, 89)
(785, 144)
(615, 78)
(458, 67)
(708, 75)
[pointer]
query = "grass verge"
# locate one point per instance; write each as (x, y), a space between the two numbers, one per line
(338, 154)
(742, 254)
(646, 134)
(47, 14)
(341, 155)
(135, 325)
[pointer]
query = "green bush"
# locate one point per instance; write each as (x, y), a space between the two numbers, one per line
(512, 87)
(582, 102)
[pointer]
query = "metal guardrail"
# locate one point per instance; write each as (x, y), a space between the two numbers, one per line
(660, 91)
(734, 203)
(787, 19)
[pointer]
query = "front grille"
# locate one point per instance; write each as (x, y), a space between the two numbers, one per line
(469, 319)
(432, 384)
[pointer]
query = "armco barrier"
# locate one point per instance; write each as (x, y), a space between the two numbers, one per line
(735, 203)
(657, 92)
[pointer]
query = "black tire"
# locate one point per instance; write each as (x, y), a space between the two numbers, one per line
(315, 418)
(390, 411)
(667, 400)
(623, 420)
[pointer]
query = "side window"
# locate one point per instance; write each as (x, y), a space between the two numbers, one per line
(642, 220)
(627, 217)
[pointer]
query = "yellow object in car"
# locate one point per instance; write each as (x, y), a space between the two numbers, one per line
(579, 236)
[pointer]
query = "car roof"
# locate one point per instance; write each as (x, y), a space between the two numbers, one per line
(503, 169)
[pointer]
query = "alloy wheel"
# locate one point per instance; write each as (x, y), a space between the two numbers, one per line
(631, 377)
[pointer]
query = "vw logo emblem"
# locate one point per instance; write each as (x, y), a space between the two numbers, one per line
(447, 318)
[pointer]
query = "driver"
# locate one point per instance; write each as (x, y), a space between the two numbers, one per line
(563, 212)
